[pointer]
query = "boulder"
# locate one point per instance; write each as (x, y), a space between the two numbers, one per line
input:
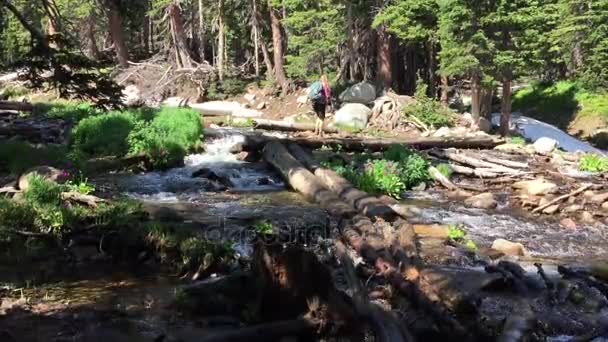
(599, 198)
(535, 187)
(363, 93)
(353, 115)
(509, 248)
(131, 95)
(261, 106)
(544, 145)
(484, 125)
(482, 201)
(442, 132)
(46, 172)
(587, 217)
(249, 97)
(605, 206)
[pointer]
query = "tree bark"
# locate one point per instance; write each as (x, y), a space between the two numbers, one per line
(276, 125)
(182, 50)
(115, 22)
(221, 40)
(202, 33)
(256, 37)
(146, 35)
(431, 69)
(445, 90)
(476, 97)
(350, 28)
(383, 59)
(93, 49)
(505, 107)
(277, 43)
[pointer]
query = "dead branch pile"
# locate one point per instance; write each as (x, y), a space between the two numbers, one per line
(481, 164)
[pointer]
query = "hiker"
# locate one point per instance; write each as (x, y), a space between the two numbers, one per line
(320, 97)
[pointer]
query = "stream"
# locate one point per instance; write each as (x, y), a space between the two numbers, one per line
(126, 308)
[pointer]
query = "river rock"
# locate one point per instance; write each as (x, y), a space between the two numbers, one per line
(431, 231)
(362, 93)
(605, 206)
(131, 95)
(587, 217)
(552, 209)
(249, 97)
(484, 125)
(352, 115)
(261, 106)
(47, 172)
(568, 223)
(442, 132)
(573, 208)
(482, 201)
(212, 176)
(544, 145)
(536, 187)
(509, 248)
(599, 198)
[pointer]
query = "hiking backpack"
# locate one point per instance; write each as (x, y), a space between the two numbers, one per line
(316, 92)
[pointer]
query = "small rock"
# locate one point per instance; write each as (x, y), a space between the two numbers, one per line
(544, 145)
(599, 198)
(246, 157)
(249, 97)
(442, 132)
(302, 99)
(589, 194)
(509, 248)
(587, 217)
(568, 223)
(605, 206)
(482, 201)
(550, 210)
(535, 187)
(261, 105)
(573, 208)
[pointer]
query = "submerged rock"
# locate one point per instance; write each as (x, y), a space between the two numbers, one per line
(509, 248)
(212, 176)
(482, 201)
(536, 187)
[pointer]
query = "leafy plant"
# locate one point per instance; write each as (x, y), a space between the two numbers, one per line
(519, 141)
(456, 234)
(445, 170)
(593, 163)
(471, 245)
(81, 186)
(427, 110)
(264, 228)
(104, 135)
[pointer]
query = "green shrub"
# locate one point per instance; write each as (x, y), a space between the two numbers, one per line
(168, 137)
(413, 167)
(427, 110)
(104, 135)
(81, 186)
(42, 191)
(18, 156)
(593, 163)
(519, 141)
(263, 228)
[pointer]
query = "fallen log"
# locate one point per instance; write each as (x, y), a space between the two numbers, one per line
(303, 181)
(561, 198)
(441, 179)
(463, 170)
(478, 163)
(19, 106)
(276, 125)
(368, 204)
(90, 200)
(255, 141)
(505, 162)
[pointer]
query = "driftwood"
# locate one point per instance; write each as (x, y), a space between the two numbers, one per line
(360, 200)
(441, 179)
(473, 172)
(20, 106)
(478, 163)
(561, 198)
(275, 125)
(303, 181)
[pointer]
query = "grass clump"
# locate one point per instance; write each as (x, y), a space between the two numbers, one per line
(519, 141)
(104, 135)
(428, 110)
(593, 163)
(18, 156)
(445, 170)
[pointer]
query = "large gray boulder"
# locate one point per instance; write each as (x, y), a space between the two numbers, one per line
(363, 93)
(352, 115)
(545, 145)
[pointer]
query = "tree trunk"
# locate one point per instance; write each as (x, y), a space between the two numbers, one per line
(485, 106)
(476, 97)
(256, 37)
(383, 59)
(36, 35)
(94, 50)
(431, 64)
(115, 20)
(350, 28)
(202, 33)
(505, 108)
(304, 182)
(221, 40)
(445, 90)
(277, 43)
(182, 50)
(267, 60)
(53, 25)
(146, 35)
